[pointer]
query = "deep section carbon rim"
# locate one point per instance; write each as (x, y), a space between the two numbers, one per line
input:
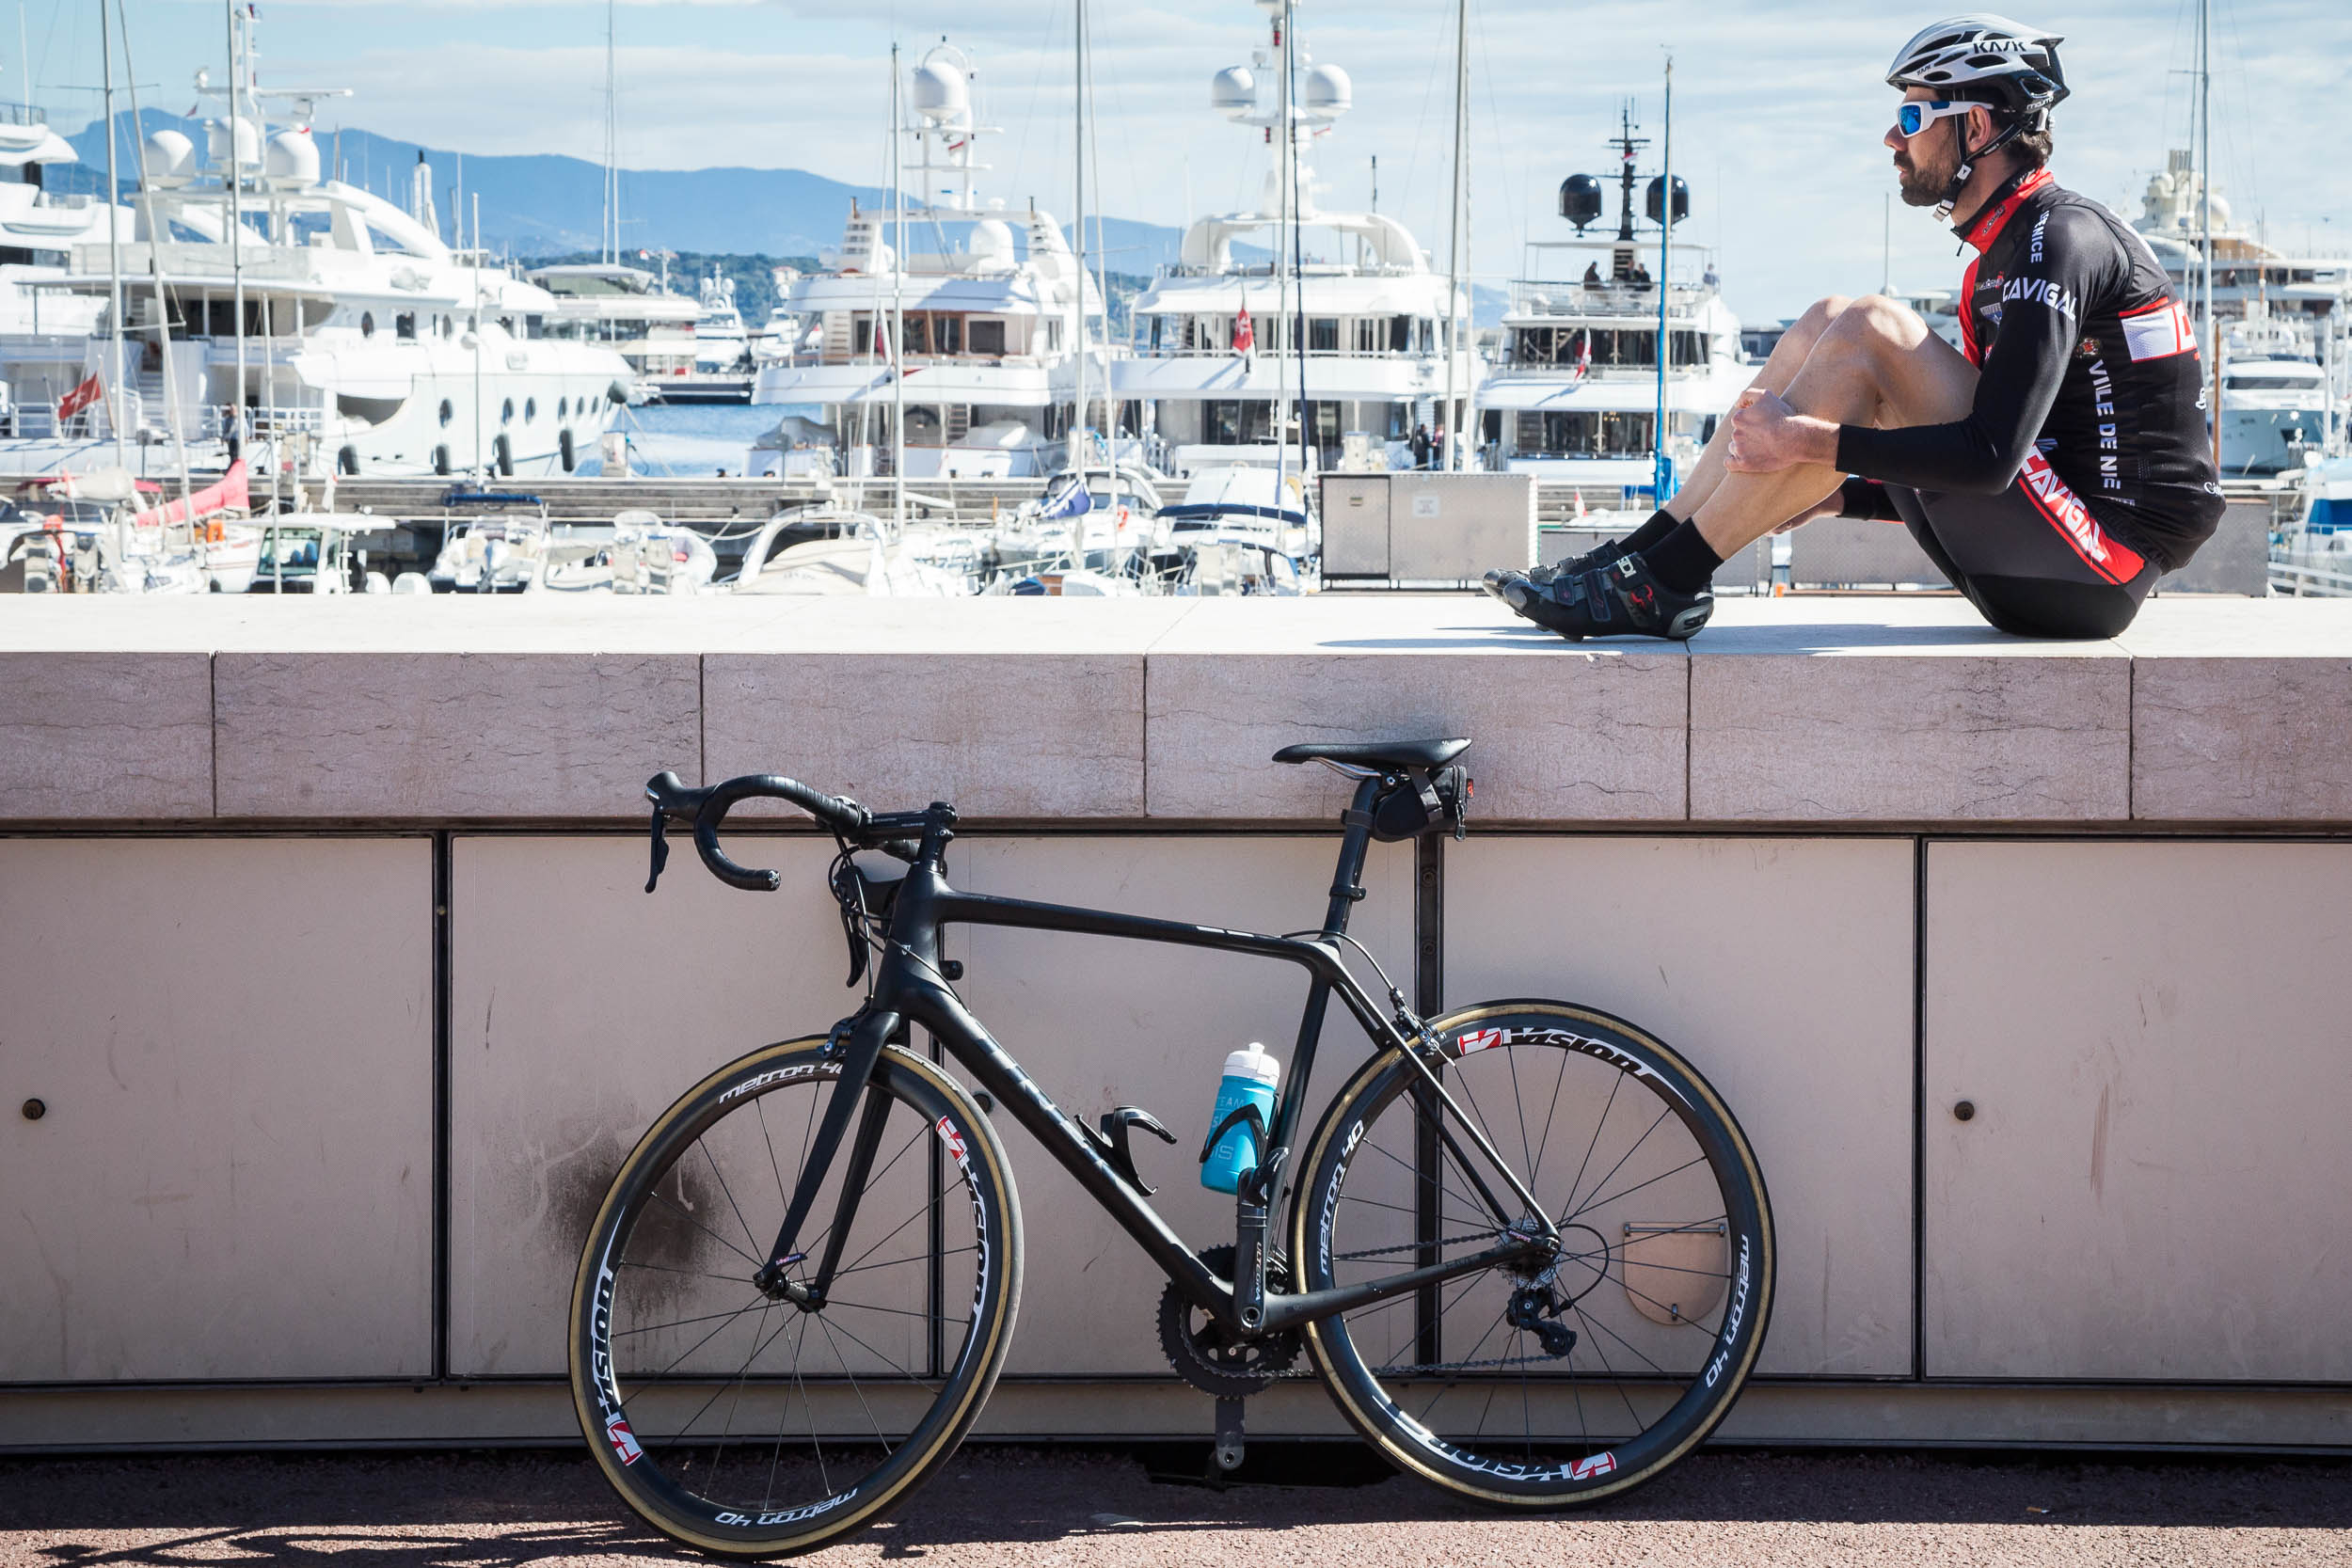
(1571, 1376)
(750, 1425)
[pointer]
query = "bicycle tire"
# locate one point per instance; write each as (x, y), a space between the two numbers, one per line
(697, 1484)
(1558, 1459)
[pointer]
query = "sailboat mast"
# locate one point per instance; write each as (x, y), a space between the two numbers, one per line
(237, 218)
(1455, 220)
(1298, 249)
(114, 239)
(897, 308)
(610, 238)
(1283, 192)
(1661, 465)
(1078, 234)
(2205, 217)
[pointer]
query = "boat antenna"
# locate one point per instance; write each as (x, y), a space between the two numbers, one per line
(612, 236)
(1281, 243)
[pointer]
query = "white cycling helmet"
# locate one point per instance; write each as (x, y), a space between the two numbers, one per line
(1988, 59)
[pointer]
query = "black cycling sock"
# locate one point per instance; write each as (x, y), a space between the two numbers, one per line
(1683, 561)
(1661, 524)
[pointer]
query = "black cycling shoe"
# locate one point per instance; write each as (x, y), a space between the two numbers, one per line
(1618, 599)
(1541, 577)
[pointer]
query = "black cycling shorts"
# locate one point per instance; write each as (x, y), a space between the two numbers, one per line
(2033, 558)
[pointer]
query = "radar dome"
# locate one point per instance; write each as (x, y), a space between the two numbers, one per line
(1580, 199)
(990, 248)
(168, 158)
(293, 159)
(1327, 91)
(1233, 92)
(248, 143)
(1656, 201)
(941, 92)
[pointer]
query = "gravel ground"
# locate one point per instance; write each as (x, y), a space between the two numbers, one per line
(1329, 1506)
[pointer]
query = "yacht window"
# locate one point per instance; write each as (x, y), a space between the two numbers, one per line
(447, 413)
(947, 333)
(1400, 334)
(367, 323)
(862, 335)
(988, 337)
(919, 333)
(2272, 382)
(506, 413)
(1053, 334)
(1366, 336)
(404, 325)
(1155, 333)
(1322, 334)
(448, 326)
(531, 409)
(563, 408)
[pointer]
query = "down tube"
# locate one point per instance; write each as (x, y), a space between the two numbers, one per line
(977, 1050)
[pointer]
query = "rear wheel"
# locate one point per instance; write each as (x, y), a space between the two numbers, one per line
(753, 1426)
(1571, 1377)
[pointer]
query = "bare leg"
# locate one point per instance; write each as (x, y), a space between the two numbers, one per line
(1877, 363)
(1787, 358)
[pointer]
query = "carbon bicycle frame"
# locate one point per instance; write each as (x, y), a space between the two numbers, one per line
(911, 989)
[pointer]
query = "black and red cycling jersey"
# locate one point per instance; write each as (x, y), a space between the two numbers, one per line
(2091, 391)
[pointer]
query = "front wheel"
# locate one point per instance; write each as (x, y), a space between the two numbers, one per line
(1569, 1377)
(753, 1426)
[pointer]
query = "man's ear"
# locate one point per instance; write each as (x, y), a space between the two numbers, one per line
(1981, 126)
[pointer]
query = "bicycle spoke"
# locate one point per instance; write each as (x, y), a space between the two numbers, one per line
(689, 1218)
(1543, 1142)
(1594, 1203)
(1663, 1112)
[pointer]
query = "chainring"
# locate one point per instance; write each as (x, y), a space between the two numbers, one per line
(1199, 1349)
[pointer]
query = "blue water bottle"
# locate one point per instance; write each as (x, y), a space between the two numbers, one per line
(1249, 1078)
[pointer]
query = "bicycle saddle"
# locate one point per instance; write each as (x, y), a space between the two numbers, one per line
(1377, 753)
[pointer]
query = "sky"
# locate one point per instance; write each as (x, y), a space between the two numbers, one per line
(1778, 108)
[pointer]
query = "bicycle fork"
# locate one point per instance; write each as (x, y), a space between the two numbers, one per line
(862, 1038)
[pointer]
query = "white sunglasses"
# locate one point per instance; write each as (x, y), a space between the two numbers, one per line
(1915, 115)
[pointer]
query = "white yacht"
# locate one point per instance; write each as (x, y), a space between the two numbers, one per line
(721, 346)
(1574, 395)
(366, 343)
(625, 308)
(995, 306)
(2286, 361)
(1241, 360)
(39, 230)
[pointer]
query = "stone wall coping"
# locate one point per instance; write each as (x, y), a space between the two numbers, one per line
(1898, 710)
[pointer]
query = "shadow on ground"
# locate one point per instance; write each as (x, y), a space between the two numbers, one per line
(480, 1509)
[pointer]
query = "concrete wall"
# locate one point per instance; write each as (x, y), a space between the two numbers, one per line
(1858, 870)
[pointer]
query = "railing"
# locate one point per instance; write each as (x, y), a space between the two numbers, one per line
(1630, 300)
(2310, 582)
(1381, 356)
(23, 113)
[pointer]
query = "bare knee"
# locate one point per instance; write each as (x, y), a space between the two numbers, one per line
(1808, 329)
(1871, 324)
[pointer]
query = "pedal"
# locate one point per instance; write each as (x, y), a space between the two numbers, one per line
(1116, 1149)
(1228, 1456)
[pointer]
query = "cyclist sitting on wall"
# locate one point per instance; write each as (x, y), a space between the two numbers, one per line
(2052, 472)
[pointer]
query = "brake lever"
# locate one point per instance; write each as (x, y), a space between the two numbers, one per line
(851, 919)
(661, 847)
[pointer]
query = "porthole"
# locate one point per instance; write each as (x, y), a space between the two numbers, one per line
(506, 412)
(531, 409)
(563, 408)
(449, 327)
(367, 323)
(447, 413)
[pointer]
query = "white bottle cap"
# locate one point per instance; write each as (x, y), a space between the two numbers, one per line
(1253, 1061)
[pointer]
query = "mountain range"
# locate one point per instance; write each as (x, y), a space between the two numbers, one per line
(547, 204)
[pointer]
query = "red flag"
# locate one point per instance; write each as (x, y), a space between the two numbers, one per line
(80, 398)
(1584, 355)
(1244, 336)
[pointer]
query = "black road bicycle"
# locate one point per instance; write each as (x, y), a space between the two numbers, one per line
(1527, 1248)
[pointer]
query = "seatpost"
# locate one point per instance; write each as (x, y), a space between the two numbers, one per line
(1347, 878)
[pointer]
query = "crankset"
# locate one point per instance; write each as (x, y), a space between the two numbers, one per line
(1198, 1348)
